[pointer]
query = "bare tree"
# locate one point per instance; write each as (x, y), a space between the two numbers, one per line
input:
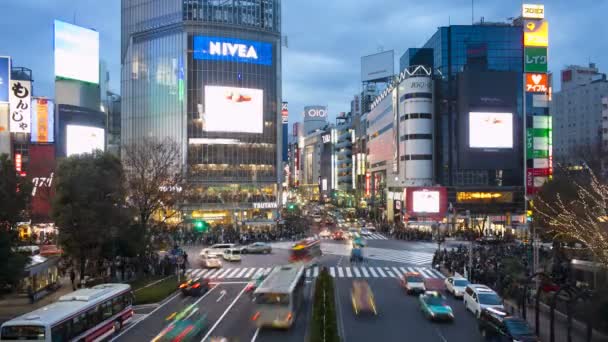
(580, 216)
(154, 179)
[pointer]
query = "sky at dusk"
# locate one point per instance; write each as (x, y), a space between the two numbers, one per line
(326, 39)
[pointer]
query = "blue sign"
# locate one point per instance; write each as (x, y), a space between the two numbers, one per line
(232, 50)
(5, 69)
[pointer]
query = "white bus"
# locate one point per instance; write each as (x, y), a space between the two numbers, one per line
(279, 297)
(90, 314)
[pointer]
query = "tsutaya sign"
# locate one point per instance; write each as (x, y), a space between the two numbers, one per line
(265, 205)
(232, 49)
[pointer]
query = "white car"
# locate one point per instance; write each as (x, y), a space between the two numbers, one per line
(477, 297)
(210, 261)
(232, 254)
(371, 228)
(217, 249)
(326, 234)
(365, 232)
(456, 286)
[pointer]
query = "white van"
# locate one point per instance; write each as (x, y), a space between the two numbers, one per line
(477, 297)
(232, 254)
(217, 249)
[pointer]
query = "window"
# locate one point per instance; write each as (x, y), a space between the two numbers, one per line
(24, 332)
(117, 305)
(79, 324)
(106, 310)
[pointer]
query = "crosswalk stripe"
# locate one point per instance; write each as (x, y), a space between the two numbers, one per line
(223, 273)
(267, 270)
(250, 272)
(390, 274)
(380, 272)
(411, 269)
(213, 271)
(233, 273)
(258, 272)
(397, 273)
(356, 272)
(365, 274)
(204, 273)
(243, 271)
(340, 272)
(372, 272)
(308, 273)
(332, 272)
(439, 275)
(195, 273)
(348, 274)
(426, 273)
(403, 270)
(316, 272)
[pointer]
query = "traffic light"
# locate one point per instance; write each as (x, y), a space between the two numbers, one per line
(529, 215)
(201, 226)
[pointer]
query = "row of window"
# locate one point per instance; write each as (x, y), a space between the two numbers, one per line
(69, 329)
(415, 95)
(416, 116)
(416, 157)
(416, 137)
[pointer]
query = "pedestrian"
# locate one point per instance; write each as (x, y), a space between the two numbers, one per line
(73, 279)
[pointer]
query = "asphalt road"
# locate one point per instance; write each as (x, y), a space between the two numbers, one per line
(229, 310)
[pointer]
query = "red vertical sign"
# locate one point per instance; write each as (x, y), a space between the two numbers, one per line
(18, 162)
(41, 169)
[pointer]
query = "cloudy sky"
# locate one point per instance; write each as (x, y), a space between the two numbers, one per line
(326, 37)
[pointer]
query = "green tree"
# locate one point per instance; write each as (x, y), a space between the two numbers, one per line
(88, 204)
(14, 197)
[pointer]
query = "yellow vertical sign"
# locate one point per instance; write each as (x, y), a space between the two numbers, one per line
(42, 116)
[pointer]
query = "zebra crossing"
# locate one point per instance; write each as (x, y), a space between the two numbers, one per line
(247, 273)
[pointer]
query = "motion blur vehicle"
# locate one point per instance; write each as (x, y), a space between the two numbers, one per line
(194, 287)
(371, 228)
(338, 235)
(209, 261)
(456, 286)
(478, 297)
(255, 283)
(326, 234)
(365, 232)
(497, 325)
(279, 297)
(413, 283)
(306, 250)
(186, 326)
(356, 254)
(257, 247)
(217, 249)
(434, 306)
(362, 297)
(232, 254)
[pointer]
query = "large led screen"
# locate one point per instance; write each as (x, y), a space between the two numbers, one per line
(230, 109)
(426, 201)
(490, 130)
(76, 52)
(84, 139)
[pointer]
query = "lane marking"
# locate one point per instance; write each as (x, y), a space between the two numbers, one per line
(332, 272)
(373, 273)
(222, 294)
(380, 272)
(224, 314)
(397, 273)
(255, 335)
(240, 275)
(365, 274)
(348, 274)
(403, 270)
(390, 274)
(250, 272)
(340, 272)
(356, 272)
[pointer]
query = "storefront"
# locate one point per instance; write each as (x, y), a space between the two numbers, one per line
(40, 276)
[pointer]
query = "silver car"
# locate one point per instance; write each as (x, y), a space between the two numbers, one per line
(257, 247)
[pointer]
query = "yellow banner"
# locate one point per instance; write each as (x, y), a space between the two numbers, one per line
(43, 121)
(536, 33)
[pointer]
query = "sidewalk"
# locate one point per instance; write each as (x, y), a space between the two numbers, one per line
(14, 305)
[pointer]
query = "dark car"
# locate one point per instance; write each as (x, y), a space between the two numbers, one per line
(194, 287)
(257, 247)
(496, 325)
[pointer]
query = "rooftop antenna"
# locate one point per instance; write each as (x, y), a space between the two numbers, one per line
(472, 12)
(380, 48)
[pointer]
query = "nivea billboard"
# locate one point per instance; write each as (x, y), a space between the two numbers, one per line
(232, 50)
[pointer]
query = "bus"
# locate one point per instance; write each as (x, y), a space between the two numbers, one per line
(279, 297)
(90, 314)
(306, 250)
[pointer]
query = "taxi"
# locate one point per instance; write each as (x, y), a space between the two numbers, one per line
(434, 306)
(413, 283)
(194, 286)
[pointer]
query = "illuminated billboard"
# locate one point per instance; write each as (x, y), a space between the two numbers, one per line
(536, 33)
(533, 11)
(378, 66)
(230, 109)
(425, 201)
(535, 59)
(41, 168)
(20, 101)
(536, 83)
(43, 121)
(490, 130)
(84, 139)
(76, 52)
(5, 77)
(232, 50)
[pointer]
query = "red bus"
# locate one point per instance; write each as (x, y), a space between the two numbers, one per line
(305, 250)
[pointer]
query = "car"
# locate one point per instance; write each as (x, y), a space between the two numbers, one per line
(338, 235)
(497, 325)
(210, 261)
(434, 306)
(371, 228)
(187, 325)
(217, 249)
(326, 234)
(232, 254)
(456, 286)
(478, 297)
(362, 297)
(413, 283)
(257, 247)
(194, 287)
(365, 232)
(255, 283)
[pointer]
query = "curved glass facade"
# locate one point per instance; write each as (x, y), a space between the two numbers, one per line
(207, 74)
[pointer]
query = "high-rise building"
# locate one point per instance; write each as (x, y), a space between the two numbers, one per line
(577, 113)
(207, 74)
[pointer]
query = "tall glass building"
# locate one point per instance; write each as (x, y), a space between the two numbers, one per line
(207, 74)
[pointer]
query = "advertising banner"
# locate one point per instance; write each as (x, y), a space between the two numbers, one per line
(535, 59)
(41, 169)
(315, 113)
(377, 66)
(232, 50)
(5, 78)
(20, 106)
(533, 11)
(490, 130)
(76, 52)
(530, 189)
(536, 83)
(484, 197)
(84, 139)
(285, 113)
(230, 109)
(43, 121)
(536, 33)
(426, 201)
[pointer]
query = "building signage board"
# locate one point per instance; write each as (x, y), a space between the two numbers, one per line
(536, 33)
(265, 205)
(326, 138)
(535, 59)
(43, 121)
(232, 50)
(315, 113)
(285, 112)
(533, 11)
(18, 162)
(20, 106)
(484, 197)
(5, 78)
(536, 83)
